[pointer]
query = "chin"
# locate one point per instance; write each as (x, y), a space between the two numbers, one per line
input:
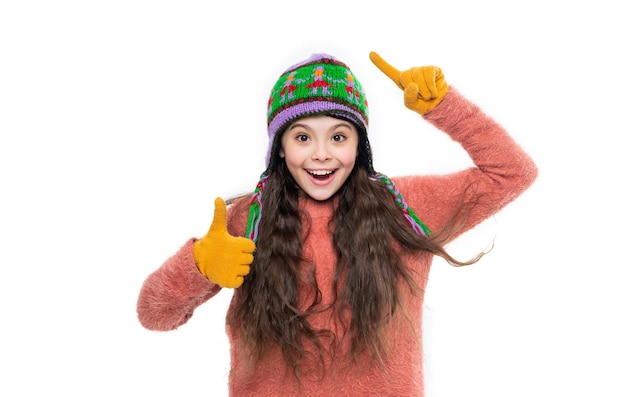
(319, 196)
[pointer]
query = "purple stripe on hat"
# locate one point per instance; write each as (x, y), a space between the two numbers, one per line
(309, 109)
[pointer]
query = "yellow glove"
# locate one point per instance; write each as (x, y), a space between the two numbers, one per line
(222, 258)
(424, 87)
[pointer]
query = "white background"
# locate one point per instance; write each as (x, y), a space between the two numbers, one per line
(121, 121)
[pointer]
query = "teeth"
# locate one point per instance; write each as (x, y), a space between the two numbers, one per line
(320, 172)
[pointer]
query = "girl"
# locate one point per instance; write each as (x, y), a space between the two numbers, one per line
(328, 256)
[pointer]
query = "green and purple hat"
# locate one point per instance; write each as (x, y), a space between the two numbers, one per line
(320, 84)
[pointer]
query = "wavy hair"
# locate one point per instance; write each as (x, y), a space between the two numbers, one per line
(368, 227)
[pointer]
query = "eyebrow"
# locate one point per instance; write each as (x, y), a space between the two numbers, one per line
(340, 123)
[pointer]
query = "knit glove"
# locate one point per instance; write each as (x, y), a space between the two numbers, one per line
(424, 86)
(222, 258)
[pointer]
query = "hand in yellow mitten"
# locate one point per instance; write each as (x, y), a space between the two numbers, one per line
(424, 87)
(222, 258)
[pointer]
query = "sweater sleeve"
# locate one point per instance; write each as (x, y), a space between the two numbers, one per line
(501, 171)
(169, 296)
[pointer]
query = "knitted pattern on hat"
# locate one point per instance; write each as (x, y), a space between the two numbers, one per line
(319, 85)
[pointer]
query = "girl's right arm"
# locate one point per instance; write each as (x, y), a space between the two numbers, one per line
(169, 296)
(196, 272)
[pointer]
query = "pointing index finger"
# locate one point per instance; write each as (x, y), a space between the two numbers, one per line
(386, 68)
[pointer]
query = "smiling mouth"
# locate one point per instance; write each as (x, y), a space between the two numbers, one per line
(321, 174)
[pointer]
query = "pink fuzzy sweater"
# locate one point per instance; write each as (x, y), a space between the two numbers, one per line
(501, 173)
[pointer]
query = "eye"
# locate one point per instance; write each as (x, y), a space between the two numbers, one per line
(302, 138)
(338, 138)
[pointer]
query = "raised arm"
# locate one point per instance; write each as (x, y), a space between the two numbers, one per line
(501, 172)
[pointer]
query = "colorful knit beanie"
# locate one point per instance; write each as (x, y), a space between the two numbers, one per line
(320, 85)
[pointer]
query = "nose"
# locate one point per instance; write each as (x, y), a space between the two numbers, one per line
(321, 152)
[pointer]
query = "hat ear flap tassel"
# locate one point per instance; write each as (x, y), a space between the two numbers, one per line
(417, 225)
(254, 217)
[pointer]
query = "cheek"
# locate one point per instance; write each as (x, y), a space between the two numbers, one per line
(290, 156)
(348, 157)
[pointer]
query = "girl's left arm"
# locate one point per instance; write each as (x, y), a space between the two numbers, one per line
(502, 169)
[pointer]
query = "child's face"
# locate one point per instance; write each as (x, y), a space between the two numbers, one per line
(320, 153)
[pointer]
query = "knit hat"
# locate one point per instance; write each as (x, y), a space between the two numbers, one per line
(320, 84)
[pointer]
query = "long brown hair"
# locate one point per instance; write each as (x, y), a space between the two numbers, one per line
(366, 224)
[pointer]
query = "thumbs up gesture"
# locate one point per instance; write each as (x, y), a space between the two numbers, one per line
(424, 86)
(222, 258)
